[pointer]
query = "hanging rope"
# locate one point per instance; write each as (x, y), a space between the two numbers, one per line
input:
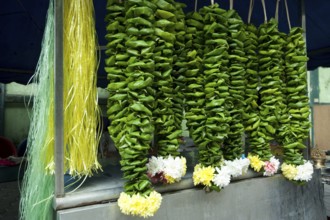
(196, 5)
(287, 14)
(212, 2)
(264, 8)
(231, 4)
(37, 186)
(276, 11)
(250, 11)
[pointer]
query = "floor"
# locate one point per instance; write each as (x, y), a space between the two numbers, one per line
(9, 200)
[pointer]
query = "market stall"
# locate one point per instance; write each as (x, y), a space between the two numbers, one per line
(241, 87)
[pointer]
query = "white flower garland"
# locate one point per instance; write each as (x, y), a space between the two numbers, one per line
(166, 170)
(269, 167)
(230, 169)
(302, 172)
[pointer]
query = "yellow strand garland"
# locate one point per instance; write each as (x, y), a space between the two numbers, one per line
(81, 113)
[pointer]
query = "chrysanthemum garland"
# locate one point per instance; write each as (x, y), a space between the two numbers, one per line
(299, 173)
(137, 205)
(269, 167)
(220, 177)
(166, 169)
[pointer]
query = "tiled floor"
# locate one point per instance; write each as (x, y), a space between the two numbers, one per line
(9, 200)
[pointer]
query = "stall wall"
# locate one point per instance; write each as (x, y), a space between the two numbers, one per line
(321, 114)
(18, 109)
(271, 198)
(324, 85)
(17, 122)
(320, 102)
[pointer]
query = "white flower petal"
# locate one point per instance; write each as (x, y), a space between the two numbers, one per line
(222, 178)
(305, 172)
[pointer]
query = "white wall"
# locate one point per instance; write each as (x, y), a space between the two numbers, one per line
(324, 85)
(16, 124)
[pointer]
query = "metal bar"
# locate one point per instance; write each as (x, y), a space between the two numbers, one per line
(303, 18)
(58, 85)
(19, 71)
(302, 23)
(2, 109)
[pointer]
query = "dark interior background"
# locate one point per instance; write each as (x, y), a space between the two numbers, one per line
(22, 23)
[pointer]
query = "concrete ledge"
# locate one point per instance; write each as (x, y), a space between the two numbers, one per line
(271, 198)
(103, 188)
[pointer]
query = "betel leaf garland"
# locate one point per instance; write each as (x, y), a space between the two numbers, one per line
(116, 36)
(166, 132)
(139, 78)
(213, 171)
(136, 66)
(269, 74)
(195, 101)
(194, 80)
(237, 83)
(251, 111)
(271, 98)
(117, 100)
(216, 78)
(296, 132)
(168, 167)
(179, 66)
(228, 77)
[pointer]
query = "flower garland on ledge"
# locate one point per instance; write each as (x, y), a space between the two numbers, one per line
(138, 205)
(166, 170)
(269, 167)
(298, 173)
(220, 177)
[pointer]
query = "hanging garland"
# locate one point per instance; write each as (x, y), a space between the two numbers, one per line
(295, 168)
(251, 112)
(81, 111)
(215, 61)
(116, 36)
(216, 128)
(194, 80)
(167, 133)
(135, 79)
(271, 98)
(194, 90)
(237, 84)
(213, 171)
(38, 186)
(179, 67)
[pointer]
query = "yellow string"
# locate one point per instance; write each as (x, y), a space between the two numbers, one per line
(81, 112)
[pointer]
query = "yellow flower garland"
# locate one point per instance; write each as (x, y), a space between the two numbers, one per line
(138, 205)
(255, 162)
(203, 175)
(184, 165)
(289, 171)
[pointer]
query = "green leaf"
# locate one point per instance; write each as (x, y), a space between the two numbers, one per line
(164, 14)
